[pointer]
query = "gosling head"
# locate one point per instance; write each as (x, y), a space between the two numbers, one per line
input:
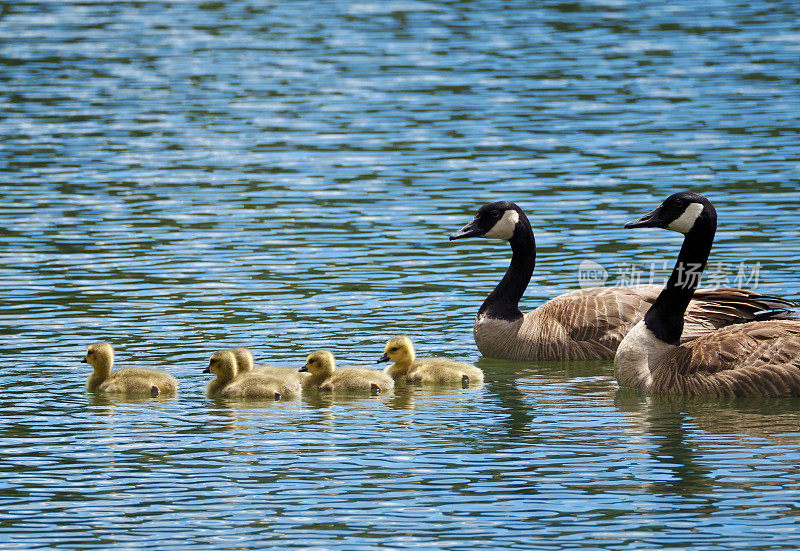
(222, 364)
(399, 350)
(99, 355)
(680, 212)
(499, 220)
(319, 363)
(244, 359)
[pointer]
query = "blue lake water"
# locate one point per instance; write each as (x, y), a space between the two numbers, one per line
(181, 177)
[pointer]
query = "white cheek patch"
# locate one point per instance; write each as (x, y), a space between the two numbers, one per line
(504, 228)
(687, 219)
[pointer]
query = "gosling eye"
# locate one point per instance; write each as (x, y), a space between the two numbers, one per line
(394, 349)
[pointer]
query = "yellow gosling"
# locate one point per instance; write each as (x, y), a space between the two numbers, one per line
(129, 380)
(257, 386)
(324, 376)
(406, 366)
(245, 364)
(223, 365)
(228, 383)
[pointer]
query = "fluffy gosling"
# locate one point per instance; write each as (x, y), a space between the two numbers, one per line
(229, 384)
(245, 364)
(129, 380)
(407, 366)
(324, 376)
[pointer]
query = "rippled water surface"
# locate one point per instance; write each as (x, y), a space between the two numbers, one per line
(180, 177)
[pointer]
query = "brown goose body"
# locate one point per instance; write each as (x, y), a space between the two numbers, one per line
(759, 358)
(589, 324)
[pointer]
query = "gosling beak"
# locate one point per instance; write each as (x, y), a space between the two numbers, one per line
(303, 369)
(84, 360)
(650, 220)
(470, 230)
(207, 370)
(385, 357)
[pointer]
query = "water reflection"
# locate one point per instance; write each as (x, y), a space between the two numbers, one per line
(105, 402)
(686, 431)
(749, 420)
(422, 397)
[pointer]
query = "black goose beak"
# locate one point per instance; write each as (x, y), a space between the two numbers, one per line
(303, 369)
(385, 357)
(470, 230)
(84, 361)
(650, 220)
(206, 370)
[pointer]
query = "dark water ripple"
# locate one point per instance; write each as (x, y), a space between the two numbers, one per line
(182, 177)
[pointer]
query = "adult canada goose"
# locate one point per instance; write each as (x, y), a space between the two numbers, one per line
(407, 367)
(585, 324)
(228, 383)
(759, 358)
(129, 380)
(325, 376)
(245, 364)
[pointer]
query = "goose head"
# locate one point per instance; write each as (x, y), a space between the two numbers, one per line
(399, 350)
(319, 363)
(222, 364)
(680, 212)
(499, 220)
(244, 359)
(99, 355)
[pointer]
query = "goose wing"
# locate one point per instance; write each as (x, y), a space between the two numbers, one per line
(587, 323)
(712, 309)
(756, 343)
(601, 314)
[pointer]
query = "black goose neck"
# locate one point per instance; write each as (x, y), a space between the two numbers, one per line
(666, 317)
(503, 302)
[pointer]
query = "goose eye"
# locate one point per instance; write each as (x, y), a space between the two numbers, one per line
(394, 349)
(495, 213)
